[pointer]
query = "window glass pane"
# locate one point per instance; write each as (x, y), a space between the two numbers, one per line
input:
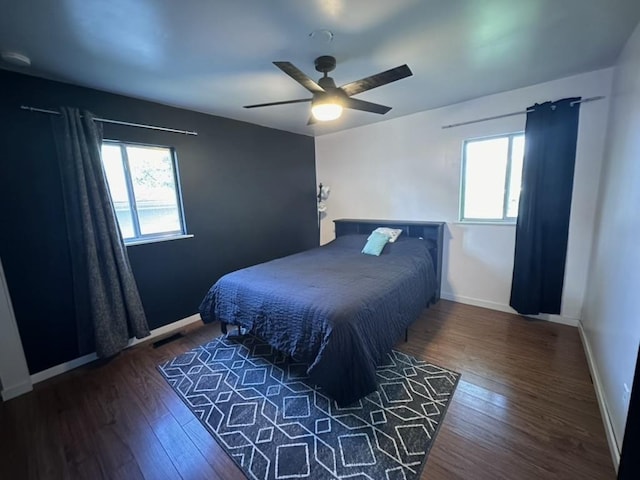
(114, 170)
(515, 180)
(154, 189)
(484, 178)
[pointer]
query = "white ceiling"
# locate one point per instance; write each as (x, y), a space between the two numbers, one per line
(215, 56)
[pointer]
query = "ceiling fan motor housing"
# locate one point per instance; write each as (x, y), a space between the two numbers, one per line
(327, 83)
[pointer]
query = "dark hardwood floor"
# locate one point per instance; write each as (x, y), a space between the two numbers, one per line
(525, 408)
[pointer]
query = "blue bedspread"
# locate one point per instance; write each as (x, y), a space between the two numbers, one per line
(332, 307)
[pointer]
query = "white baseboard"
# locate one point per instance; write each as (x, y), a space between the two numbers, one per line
(572, 322)
(76, 362)
(602, 403)
(506, 308)
(166, 329)
(477, 302)
(16, 390)
(62, 368)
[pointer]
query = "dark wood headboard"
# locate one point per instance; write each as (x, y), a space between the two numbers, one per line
(428, 230)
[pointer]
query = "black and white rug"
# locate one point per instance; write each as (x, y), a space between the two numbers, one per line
(275, 425)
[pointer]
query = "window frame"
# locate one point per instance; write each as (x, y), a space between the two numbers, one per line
(504, 220)
(139, 237)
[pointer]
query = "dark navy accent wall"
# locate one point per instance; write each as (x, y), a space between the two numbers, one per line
(248, 193)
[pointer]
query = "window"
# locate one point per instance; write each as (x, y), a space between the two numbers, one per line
(143, 181)
(491, 178)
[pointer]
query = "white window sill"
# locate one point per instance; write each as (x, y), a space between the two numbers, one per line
(144, 241)
(493, 224)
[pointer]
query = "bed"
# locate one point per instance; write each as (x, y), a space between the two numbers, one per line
(333, 308)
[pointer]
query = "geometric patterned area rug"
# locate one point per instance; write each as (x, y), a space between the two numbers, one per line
(260, 407)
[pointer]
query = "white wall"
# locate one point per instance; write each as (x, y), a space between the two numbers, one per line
(611, 317)
(13, 365)
(409, 168)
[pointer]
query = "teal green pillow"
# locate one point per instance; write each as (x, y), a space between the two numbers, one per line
(375, 244)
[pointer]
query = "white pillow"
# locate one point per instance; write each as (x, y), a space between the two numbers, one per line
(392, 233)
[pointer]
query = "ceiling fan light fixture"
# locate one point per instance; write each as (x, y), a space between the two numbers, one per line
(325, 109)
(326, 112)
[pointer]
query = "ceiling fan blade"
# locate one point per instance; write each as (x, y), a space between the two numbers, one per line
(356, 104)
(377, 80)
(301, 100)
(299, 76)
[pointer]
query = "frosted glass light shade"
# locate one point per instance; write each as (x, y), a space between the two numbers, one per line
(325, 112)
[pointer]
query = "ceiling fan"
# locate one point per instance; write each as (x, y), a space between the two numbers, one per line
(328, 100)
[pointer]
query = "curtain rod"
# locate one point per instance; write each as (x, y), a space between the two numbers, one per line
(522, 112)
(115, 122)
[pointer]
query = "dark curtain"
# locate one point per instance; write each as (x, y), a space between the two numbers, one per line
(545, 204)
(108, 307)
(629, 465)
